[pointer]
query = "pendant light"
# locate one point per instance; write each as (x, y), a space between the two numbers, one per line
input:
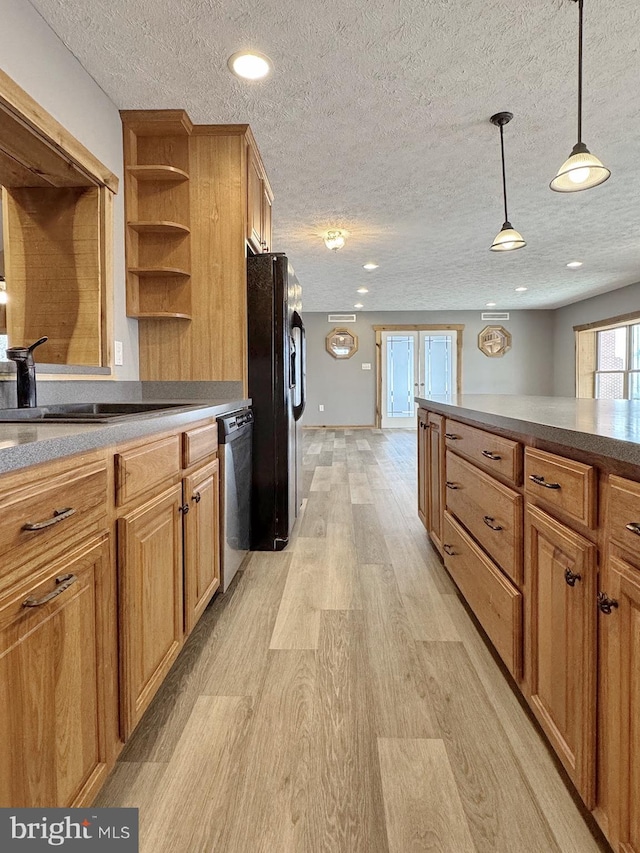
(582, 170)
(508, 239)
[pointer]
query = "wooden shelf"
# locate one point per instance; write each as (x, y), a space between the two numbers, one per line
(160, 227)
(159, 272)
(160, 315)
(157, 173)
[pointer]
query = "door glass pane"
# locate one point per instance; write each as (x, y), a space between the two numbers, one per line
(612, 349)
(610, 386)
(438, 372)
(400, 379)
(634, 386)
(635, 348)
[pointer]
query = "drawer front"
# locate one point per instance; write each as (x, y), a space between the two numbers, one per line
(562, 483)
(57, 507)
(490, 511)
(496, 603)
(146, 466)
(495, 454)
(198, 443)
(623, 516)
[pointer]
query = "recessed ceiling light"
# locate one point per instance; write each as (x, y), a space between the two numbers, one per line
(370, 266)
(363, 290)
(490, 304)
(521, 289)
(574, 265)
(358, 305)
(249, 65)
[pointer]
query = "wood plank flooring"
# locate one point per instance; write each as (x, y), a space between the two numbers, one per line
(338, 699)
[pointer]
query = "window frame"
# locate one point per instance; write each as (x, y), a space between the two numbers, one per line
(588, 350)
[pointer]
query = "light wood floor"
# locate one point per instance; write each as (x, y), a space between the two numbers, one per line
(339, 699)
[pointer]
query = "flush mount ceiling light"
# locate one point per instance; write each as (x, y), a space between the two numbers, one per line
(508, 238)
(370, 267)
(490, 304)
(574, 265)
(334, 240)
(582, 170)
(521, 289)
(358, 305)
(363, 290)
(249, 65)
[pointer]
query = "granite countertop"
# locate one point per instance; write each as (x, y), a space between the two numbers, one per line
(609, 428)
(30, 443)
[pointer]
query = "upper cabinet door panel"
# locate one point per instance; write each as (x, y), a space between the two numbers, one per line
(254, 201)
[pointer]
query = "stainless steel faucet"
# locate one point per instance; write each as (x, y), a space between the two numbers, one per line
(26, 373)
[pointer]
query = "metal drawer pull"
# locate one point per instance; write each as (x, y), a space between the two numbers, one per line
(58, 516)
(634, 527)
(571, 578)
(490, 455)
(536, 478)
(63, 583)
(605, 603)
(448, 549)
(451, 436)
(197, 497)
(488, 520)
(451, 485)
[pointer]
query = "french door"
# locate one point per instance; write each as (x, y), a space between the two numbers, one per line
(415, 363)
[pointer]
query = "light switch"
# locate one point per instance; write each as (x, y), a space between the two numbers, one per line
(366, 365)
(118, 355)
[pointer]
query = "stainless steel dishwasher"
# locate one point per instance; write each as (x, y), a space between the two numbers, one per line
(234, 436)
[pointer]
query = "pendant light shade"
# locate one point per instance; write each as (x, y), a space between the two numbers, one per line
(508, 238)
(582, 170)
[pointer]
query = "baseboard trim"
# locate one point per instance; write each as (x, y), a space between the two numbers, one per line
(341, 426)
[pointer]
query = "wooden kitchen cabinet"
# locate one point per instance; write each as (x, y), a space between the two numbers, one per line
(151, 599)
(423, 436)
(560, 642)
(55, 674)
(259, 199)
(201, 541)
(436, 473)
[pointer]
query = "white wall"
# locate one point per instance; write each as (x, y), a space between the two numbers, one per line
(613, 304)
(349, 394)
(38, 61)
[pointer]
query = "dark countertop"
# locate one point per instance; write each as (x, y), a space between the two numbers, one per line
(30, 443)
(609, 428)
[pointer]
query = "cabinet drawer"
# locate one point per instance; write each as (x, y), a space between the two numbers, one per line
(490, 511)
(562, 483)
(198, 443)
(492, 452)
(623, 516)
(496, 603)
(56, 505)
(141, 468)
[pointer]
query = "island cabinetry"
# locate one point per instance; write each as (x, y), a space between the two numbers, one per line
(561, 484)
(423, 438)
(560, 594)
(499, 456)
(435, 478)
(58, 652)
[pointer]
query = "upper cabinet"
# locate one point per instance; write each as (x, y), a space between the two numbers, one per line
(197, 201)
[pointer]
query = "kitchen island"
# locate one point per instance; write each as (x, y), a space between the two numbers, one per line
(534, 505)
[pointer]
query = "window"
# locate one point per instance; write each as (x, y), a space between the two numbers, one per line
(608, 360)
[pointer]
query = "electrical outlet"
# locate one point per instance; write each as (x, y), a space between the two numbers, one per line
(321, 408)
(118, 355)
(366, 365)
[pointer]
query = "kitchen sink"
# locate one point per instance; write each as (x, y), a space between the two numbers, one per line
(74, 413)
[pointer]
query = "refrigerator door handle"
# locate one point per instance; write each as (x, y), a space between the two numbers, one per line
(296, 323)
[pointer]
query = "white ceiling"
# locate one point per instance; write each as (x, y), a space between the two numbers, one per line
(376, 121)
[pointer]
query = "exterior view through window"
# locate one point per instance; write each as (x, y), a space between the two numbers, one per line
(618, 363)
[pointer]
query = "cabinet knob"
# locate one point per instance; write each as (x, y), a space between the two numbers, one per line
(184, 509)
(571, 577)
(197, 497)
(605, 604)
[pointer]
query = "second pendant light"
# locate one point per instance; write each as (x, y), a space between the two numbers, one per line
(508, 238)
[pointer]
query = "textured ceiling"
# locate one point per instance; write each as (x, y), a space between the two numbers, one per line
(376, 121)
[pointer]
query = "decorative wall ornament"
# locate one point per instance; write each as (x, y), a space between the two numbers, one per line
(494, 341)
(342, 343)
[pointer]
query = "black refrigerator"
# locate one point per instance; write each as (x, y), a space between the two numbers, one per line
(276, 345)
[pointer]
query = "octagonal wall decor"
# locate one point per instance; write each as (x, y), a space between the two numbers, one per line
(494, 341)
(341, 343)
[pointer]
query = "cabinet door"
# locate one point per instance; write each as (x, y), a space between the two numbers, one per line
(435, 501)
(53, 666)
(202, 541)
(254, 202)
(561, 579)
(623, 625)
(150, 600)
(423, 433)
(266, 219)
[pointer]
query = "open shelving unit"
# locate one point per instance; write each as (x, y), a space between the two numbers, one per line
(158, 249)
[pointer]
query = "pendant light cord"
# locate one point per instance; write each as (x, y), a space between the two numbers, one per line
(580, 6)
(504, 174)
